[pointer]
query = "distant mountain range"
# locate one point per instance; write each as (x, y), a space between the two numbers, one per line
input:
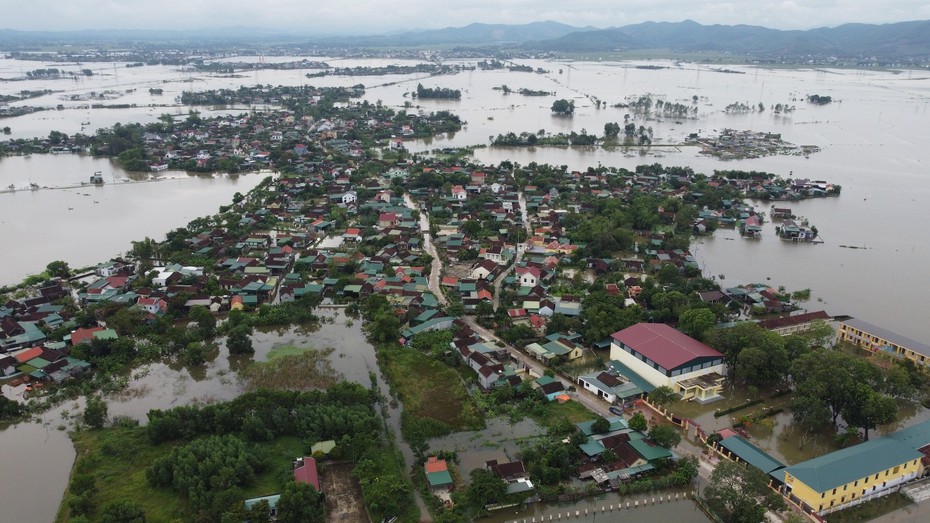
(888, 41)
(472, 34)
(904, 41)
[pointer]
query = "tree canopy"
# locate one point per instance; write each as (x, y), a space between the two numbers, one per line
(740, 494)
(563, 106)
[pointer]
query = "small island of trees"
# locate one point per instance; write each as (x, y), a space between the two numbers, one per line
(819, 100)
(437, 92)
(563, 107)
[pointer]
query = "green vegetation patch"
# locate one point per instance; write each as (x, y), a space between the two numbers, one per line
(430, 389)
(553, 412)
(292, 368)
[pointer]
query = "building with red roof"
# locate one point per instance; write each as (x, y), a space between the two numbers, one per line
(664, 356)
(305, 471)
(81, 335)
(28, 354)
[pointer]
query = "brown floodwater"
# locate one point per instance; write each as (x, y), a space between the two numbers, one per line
(874, 140)
(644, 508)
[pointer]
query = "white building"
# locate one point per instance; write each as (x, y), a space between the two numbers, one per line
(664, 356)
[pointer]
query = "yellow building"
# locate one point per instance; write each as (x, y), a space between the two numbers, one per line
(852, 475)
(876, 339)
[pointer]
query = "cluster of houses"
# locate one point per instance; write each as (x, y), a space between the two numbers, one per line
(618, 454)
(26, 351)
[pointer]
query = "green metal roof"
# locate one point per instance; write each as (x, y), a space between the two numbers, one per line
(616, 423)
(914, 437)
(850, 464)
(751, 454)
(650, 452)
(631, 375)
(592, 448)
(438, 479)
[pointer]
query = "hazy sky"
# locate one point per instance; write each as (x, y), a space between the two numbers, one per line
(372, 16)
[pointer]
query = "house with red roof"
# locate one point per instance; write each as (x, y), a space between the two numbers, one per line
(437, 475)
(387, 219)
(664, 356)
(81, 335)
(305, 471)
(153, 305)
(528, 276)
(28, 354)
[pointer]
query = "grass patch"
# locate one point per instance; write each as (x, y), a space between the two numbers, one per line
(293, 368)
(287, 350)
(870, 509)
(553, 411)
(430, 389)
(122, 476)
(117, 458)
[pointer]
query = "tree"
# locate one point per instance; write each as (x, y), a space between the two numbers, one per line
(10, 409)
(663, 395)
(600, 425)
(832, 379)
(868, 409)
(58, 269)
(696, 322)
(485, 488)
(95, 413)
(300, 503)
(194, 354)
(239, 342)
(124, 511)
(206, 323)
(638, 422)
(611, 130)
(665, 435)
(740, 494)
(563, 107)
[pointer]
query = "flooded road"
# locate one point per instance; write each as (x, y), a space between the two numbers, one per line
(610, 508)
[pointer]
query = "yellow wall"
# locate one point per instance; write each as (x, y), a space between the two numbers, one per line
(868, 342)
(820, 501)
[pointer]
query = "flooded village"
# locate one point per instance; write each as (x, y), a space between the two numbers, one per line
(454, 336)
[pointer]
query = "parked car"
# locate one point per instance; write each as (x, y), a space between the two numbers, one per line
(616, 410)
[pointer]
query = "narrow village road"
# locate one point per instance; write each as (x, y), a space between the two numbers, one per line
(436, 268)
(517, 257)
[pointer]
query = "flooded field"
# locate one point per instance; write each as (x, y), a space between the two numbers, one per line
(500, 440)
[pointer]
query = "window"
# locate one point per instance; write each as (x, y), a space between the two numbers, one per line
(895, 471)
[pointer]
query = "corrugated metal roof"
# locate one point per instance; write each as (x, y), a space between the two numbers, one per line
(664, 345)
(751, 454)
(885, 334)
(850, 464)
